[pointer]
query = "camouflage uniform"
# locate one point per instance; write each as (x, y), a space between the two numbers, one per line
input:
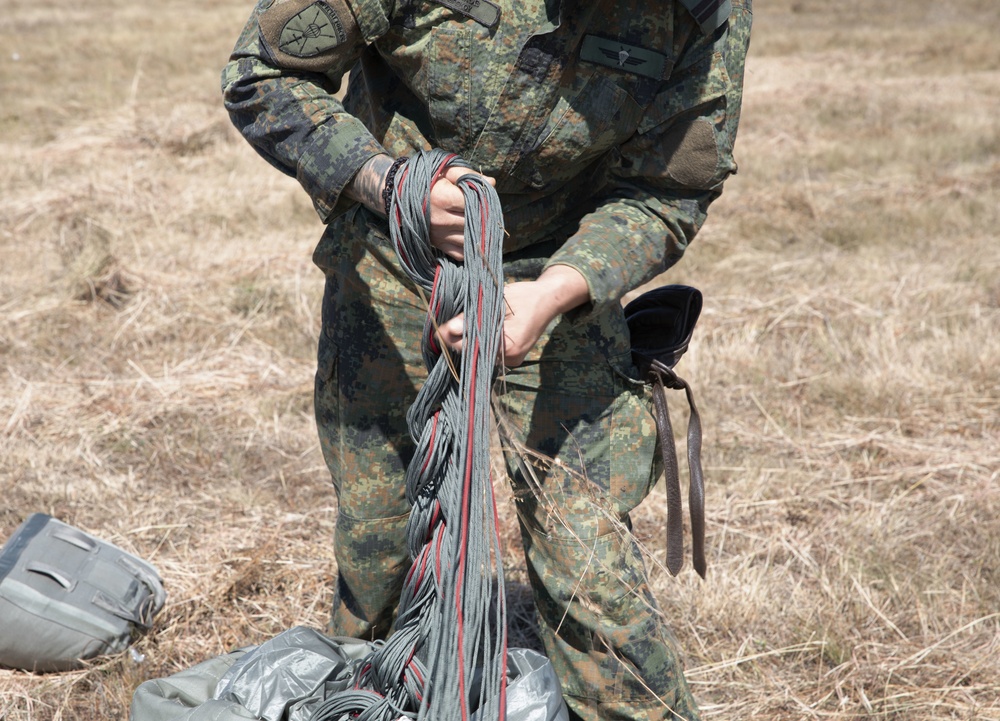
(609, 127)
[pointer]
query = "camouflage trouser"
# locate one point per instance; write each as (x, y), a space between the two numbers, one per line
(588, 449)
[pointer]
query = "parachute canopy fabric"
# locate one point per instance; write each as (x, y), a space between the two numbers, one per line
(289, 676)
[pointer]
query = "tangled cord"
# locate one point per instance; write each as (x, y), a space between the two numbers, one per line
(447, 655)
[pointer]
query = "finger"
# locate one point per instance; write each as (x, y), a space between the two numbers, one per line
(450, 242)
(451, 332)
(447, 196)
(455, 172)
(509, 356)
(454, 251)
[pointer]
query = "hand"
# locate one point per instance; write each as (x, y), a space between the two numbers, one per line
(531, 306)
(447, 201)
(447, 229)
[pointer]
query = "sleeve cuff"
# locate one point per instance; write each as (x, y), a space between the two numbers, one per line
(335, 153)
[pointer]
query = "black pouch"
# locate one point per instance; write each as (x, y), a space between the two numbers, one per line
(661, 323)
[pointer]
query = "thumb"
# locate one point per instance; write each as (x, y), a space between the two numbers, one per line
(454, 328)
(451, 332)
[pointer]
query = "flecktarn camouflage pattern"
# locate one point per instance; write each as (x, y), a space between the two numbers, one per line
(609, 127)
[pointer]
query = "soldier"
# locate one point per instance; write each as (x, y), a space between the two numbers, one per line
(608, 129)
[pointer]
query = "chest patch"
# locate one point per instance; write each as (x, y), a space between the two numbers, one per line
(484, 12)
(311, 32)
(624, 57)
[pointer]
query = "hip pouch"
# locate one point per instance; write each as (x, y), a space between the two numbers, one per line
(660, 323)
(66, 596)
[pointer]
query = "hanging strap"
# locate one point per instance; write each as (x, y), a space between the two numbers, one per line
(662, 377)
(661, 322)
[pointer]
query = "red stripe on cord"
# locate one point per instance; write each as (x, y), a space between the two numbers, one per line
(437, 549)
(430, 443)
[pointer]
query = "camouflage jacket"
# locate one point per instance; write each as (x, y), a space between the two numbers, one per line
(608, 124)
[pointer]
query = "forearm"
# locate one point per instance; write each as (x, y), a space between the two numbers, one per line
(561, 288)
(628, 241)
(367, 185)
(533, 305)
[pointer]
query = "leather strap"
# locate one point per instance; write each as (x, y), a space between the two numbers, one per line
(662, 377)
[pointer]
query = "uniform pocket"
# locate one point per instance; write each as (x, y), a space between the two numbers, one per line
(590, 118)
(326, 397)
(635, 464)
(449, 84)
(704, 81)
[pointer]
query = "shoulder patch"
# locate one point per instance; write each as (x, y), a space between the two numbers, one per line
(312, 31)
(304, 35)
(484, 12)
(709, 14)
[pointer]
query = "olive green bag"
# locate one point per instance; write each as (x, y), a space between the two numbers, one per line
(66, 596)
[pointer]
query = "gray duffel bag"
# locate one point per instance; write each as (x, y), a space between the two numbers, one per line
(66, 596)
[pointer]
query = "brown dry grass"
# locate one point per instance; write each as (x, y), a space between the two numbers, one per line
(159, 312)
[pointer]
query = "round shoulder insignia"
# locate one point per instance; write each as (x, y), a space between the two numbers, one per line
(312, 31)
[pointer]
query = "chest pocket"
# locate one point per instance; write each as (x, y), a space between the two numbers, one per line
(450, 93)
(591, 117)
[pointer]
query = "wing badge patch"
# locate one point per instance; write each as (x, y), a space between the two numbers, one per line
(311, 32)
(625, 57)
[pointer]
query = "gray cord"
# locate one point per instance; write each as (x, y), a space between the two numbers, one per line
(446, 657)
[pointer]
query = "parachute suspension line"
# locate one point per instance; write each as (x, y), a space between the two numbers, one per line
(447, 656)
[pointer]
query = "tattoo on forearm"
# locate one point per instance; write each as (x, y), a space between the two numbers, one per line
(366, 187)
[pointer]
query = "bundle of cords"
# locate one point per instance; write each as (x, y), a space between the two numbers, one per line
(447, 656)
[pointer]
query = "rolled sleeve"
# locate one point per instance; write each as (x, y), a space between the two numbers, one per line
(292, 116)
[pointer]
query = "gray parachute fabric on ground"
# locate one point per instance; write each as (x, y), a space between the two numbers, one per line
(533, 691)
(188, 695)
(287, 677)
(67, 596)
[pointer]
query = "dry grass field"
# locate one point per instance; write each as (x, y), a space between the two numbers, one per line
(158, 311)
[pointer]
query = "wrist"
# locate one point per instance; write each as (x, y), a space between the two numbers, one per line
(565, 289)
(367, 184)
(389, 183)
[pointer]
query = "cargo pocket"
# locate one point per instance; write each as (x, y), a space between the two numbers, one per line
(635, 464)
(327, 395)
